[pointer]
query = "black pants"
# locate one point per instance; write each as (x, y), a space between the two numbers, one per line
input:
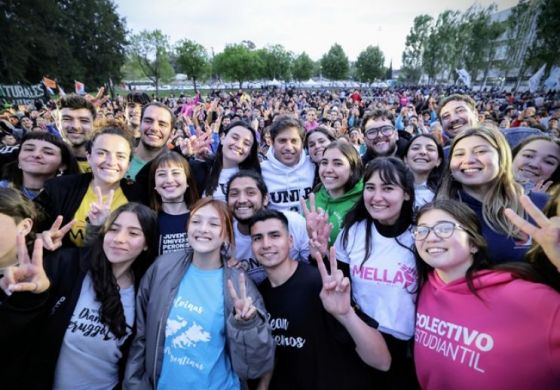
(401, 375)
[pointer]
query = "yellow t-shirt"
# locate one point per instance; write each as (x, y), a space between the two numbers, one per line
(83, 165)
(78, 232)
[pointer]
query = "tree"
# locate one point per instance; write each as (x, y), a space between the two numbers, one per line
(335, 63)
(442, 49)
(150, 50)
(547, 43)
(389, 73)
(238, 62)
(302, 67)
(481, 40)
(277, 62)
(520, 23)
(192, 59)
(412, 56)
(369, 65)
(63, 39)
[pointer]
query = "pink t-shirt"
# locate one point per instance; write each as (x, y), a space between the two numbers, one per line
(509, 338)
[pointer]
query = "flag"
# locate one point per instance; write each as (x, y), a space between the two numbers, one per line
(49, 85)
(79, 87)
(552, 83)
(464, 76)
(61, 91)
(535, 79)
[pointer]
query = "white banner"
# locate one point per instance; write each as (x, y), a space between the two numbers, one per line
(464, 76)
(535, 79)
(552, 83)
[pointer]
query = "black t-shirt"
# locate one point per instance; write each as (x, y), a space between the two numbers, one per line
(313, 350)
(172, 232)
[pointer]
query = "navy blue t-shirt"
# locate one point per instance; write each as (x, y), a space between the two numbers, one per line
(172, 232)
(501, 248)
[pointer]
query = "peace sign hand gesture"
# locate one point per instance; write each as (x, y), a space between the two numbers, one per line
(99, 211)
(243, 305)
(335, 293)
(52, 238)
(318, 226)
(29, 275)
(546, 234)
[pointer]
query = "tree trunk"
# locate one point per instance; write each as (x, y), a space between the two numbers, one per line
(194, 85)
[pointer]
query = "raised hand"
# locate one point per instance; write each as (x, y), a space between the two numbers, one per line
(29, 275)
(542, 186)
(546, 233)
(100, 210)
(335, 293)
(52, 238)
(244, 308)
(317, 225)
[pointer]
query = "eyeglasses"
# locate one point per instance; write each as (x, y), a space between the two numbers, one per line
(374, 132)
(443, 229)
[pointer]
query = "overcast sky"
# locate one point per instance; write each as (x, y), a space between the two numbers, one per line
(299, 25)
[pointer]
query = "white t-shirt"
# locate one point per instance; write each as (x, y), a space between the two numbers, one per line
(382, 286)
(225, 174)
(299, 251)
(422, 195)
(90, 353)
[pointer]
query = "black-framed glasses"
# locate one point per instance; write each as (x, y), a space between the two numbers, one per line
(443, 229)
(374, 132)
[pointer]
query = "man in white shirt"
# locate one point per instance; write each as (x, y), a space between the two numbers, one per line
(246, 194)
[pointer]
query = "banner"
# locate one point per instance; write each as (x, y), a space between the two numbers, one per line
(552, 83)
(22, 94)
(535, 79)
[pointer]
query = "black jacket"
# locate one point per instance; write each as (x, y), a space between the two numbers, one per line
(63, 196)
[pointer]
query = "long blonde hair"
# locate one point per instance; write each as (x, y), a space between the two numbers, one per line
(503, 192)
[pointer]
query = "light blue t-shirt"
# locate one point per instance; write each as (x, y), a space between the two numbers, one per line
(136, 164)
(194, 351)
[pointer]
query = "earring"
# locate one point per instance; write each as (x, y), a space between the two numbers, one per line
(60, 172)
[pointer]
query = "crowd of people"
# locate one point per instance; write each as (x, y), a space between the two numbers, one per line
(282, 239)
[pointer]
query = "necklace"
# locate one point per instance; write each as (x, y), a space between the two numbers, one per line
(175, 202)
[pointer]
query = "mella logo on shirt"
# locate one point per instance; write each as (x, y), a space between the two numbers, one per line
(456, 342)
(404, 275)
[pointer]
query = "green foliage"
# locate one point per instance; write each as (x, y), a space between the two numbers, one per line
(546, 49)
(192, 59)
(63, 39)
(302, 67)
(481, 39)
(416, 40)
(334, 63)
(150, 51)
(239, 63)
(277, 62)
(370, 64)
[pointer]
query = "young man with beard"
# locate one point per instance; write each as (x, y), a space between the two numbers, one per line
(288, 172)
(321, 341)
(155, 129)
(77, 116)
(457, 112)
(381, 136)
(246, 195)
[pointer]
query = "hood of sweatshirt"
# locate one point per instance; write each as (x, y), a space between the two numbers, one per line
(279, 166)
(482, 280)
(351, 196)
